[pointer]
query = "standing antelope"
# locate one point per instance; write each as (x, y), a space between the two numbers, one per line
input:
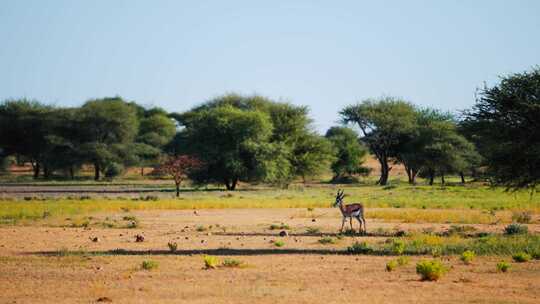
(350, 211)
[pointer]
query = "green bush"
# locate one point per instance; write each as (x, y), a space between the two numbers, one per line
(149, 265)
(114, 170)
(210, 262)
(516, 229)
(521, 257)
(281, 226)
(430, 270)
(359, 248)
(467, 257)
(398, 246)
(503, 266)
(279, 243)
(390, 266)
(232, 263)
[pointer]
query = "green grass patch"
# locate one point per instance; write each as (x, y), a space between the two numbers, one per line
(149, 265)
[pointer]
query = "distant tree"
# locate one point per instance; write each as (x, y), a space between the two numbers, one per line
(311, 155)
(350, 153)
(156, 130)
(505, 125)
(386, 123)
(107, 121)
(179, 168)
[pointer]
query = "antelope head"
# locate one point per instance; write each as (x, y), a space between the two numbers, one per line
(339, 198)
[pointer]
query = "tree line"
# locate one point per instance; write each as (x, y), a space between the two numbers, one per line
(235, 138)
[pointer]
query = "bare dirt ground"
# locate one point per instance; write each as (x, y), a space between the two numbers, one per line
(302, 271)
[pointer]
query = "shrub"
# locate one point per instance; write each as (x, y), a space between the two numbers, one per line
(232, 263)
(523, 217)
(503, 266)
(279, 243)
(430, 270)
(312, 230)
(327, 240)
(467, 257)
(402, 260)
(113, 170)
(211, 262)
(149, 265)
(390, 266)
(398, 246)
(359, 248)
(172, 246)
(521, 257)
(201, 228)
(516, 229)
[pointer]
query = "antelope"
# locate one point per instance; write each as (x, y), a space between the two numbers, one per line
(349, 211)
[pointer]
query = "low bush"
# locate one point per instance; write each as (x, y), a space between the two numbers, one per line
(281, 226)
(515, 229)
(313, 230)
(522, 217)
(232, 263)
(503, 266)
(398, 246)
(430, 270)
(172, 246)
(403, 260)
(210, 262)
(521, 257)
(391, 265)
(279, 243)
(467, 257)
(149, 265)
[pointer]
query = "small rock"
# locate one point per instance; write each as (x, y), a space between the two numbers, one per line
(186, 238)
(283, 233)
(95, 239)
(202, 241)
(139, 238)
(313, 220)
(104, 299)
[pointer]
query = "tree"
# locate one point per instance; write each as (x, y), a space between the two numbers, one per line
(350, 153)
(179, 168)
(505, 125)
(385, 124)
(107, 121)
(226, 140)
(156, 130)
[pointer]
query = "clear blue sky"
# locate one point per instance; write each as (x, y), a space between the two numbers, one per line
(325, 54)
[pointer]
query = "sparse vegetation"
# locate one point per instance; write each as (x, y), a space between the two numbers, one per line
(149, 265)
(232, 263)
(516, 229)
(467, 257)
(403, 260)
(211, 262)
(430, 270)
(173, 246)
(391, 265)
(522, 217)
(327, 240)
(521, 257)
(360, 248)
(503, 266)
(281, 226)
(279, 243)
(313, 230)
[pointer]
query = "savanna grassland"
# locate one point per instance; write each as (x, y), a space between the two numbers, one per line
(77, 242)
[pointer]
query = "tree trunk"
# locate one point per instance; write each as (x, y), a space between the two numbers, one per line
(96, 171)
(177, 189)
(46, 172)
(431, 177)
(142, 171)
(71, 172)
(36, 168)
(462, 177)
(442, 179)
(383, 180)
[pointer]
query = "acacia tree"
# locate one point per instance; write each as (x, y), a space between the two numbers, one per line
(505, 125)
(179, 167)
(386, 123)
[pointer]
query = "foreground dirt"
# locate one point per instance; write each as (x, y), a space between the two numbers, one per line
(302, 271)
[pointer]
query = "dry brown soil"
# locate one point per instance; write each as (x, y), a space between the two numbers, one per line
(302, 271)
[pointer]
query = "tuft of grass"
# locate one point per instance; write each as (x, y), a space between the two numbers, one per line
(232, 263)
(391, 265)
(281, 226)
(515, 229)
(313, 230)
(149, 265)
(430, 270)
(398, 246)
(327, 240)
(210, 262)
(403, 260)
(359, 248)
(503, 266)
(173, 246)
(467, 257)
(200, 228)
(279, 243)
(521, 257)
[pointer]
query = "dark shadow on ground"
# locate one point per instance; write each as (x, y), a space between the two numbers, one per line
(303, 234)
